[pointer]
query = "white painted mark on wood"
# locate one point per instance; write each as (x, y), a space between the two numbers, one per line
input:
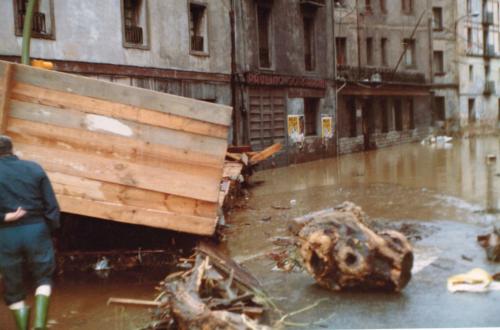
(101, 123)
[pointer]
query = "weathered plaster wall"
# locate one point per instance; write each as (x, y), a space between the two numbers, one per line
(91, 31)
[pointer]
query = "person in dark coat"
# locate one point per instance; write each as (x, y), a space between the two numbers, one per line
(28, 213)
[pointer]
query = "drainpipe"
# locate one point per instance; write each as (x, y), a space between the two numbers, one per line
(28, 19)
(236, 117)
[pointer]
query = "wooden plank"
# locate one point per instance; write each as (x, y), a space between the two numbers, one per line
(77, 187)
(117, 147)
(167, 103)
(6, 83)
(191, 185)
(63, 100)
(114, 127)
(138, 216)
(266, 153)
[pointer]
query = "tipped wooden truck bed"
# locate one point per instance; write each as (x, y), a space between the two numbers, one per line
(116, 152)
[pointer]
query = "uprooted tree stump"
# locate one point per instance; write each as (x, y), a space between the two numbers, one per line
(491, 244)
(342, 252)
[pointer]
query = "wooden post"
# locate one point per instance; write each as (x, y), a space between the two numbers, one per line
(5, 96)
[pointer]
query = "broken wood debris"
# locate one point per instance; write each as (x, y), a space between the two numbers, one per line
(341, 251)
(215, 293)
(491, 244)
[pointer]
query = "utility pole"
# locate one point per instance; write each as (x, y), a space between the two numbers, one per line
(28, 19)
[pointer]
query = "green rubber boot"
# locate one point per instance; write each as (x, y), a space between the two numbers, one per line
(41, 310)
(22, 317)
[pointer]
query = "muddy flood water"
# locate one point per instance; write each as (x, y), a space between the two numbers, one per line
(441, 192)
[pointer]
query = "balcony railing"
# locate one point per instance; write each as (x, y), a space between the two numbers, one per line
(353, 73)
(197, 43)
(133, 34)
(38, 23)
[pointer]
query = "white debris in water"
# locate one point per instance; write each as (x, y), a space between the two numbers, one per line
(459, 203)
(423, 258)
(101, 123)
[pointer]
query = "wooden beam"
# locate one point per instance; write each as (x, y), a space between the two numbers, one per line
(29, 132)
(175, 182)
(133, 96)
(186, 142)
(77, 187)
(138, 216)
(5, 96)
(64, 100)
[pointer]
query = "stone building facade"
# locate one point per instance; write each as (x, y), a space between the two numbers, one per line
(383, 72)
(180, 47)
(466, 65)
(284, 75)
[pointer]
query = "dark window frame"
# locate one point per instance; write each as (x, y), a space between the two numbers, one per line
(144, 44)
(261, 52)
(41, 18)
(437, 18)
(438, 55)
(410, 45)
(310, 55)
(203, 6)
(369, 52)
(341, 50)
(384, 60)
(407, 7)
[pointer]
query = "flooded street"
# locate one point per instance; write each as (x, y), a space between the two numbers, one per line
(440, 191)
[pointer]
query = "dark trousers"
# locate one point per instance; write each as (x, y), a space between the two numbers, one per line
(25, 248)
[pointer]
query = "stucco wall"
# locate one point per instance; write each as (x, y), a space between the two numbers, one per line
(91, 31)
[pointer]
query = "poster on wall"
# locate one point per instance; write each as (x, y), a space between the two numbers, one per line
(326, 127)
(296, 128)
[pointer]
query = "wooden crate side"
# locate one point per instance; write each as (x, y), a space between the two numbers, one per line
(64, 100)
(93, 190)
(191, 185)
(115, 147)
(138, 216)
(115, 127)
(167, 103)
(6, 86)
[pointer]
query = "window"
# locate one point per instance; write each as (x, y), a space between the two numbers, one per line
(438, 61)
(383, 6)
(198, 28)
(469, 6)
(409, 45)
(407, 6)
(486, 72)
(383, 51)
(437, 18)
(340, 44)
(471, 72)
(469, 40)
(472, 112)
(369, 51)
(439, 109)
(398, 115)
(264, 28)
(42, 25)
(135, 25)
(309, 40)
(311, 116)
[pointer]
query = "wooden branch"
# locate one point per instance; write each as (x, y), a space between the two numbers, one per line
(138, 302)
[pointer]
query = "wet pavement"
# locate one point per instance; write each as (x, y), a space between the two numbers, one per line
(441, 192)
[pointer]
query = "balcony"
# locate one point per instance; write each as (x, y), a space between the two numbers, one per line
(489, 87)
(133, 34)
(378, 75)
(38, 23)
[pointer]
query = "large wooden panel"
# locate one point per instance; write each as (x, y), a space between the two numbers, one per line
(142, 98)
(116, 152)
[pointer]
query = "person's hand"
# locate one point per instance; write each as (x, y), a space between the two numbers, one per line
(14, 216)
